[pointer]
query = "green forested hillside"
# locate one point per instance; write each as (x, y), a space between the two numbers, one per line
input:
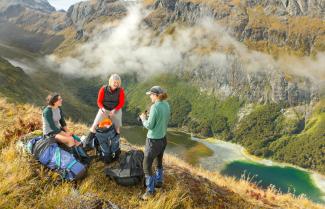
(306, 149)
(201, 113)
(267, 131)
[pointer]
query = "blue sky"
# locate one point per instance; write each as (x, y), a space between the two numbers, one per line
(62, 4)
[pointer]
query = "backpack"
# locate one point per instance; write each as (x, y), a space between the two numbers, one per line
(107, 144)
(130, 169)
(48, 153)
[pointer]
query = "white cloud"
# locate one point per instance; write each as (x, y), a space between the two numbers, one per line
(130, 46)
(63, 4)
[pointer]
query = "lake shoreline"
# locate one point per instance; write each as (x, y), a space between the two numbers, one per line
(317, 179)
(233, 151)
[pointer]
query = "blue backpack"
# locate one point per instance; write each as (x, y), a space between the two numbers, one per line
(107, 144)
(48, 152)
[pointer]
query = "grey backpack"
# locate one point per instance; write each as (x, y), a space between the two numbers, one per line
(130, 169)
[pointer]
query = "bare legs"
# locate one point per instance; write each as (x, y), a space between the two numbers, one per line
(66, 139)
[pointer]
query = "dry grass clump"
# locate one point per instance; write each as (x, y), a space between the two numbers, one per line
(27, 184)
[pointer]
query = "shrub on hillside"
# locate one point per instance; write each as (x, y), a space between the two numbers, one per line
(181, 108)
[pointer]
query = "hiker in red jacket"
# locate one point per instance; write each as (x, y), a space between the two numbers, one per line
(110, 101)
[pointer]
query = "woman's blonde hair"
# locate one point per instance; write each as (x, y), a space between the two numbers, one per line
(114, 77)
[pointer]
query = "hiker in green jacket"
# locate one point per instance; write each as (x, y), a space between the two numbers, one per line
(156, 138)
(54, 124)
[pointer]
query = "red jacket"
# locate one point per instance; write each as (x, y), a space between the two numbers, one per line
(101, 95)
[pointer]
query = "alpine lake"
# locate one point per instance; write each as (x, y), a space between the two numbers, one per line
(230, 160)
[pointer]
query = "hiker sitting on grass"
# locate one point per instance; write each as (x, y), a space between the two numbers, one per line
(54, 124)
(156, 138)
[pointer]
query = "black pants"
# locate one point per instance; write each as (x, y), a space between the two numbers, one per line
(154, 150)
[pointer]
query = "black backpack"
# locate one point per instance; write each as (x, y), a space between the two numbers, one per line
(107, 144)
(130, 169)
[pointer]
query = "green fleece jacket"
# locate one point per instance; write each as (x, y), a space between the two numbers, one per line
(158, 120)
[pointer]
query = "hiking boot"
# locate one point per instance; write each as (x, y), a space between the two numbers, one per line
(147, 195)
(86, 142)
(150, 190)
(159, 178)
(158, 184)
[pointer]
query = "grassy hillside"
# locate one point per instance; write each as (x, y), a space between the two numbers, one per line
(17, 85)
(79, 94)
(26, 184)
(12, 35)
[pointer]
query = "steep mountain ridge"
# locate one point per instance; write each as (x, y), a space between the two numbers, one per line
(30, 25)
(270, 26)
(39, 5)
(273, 22)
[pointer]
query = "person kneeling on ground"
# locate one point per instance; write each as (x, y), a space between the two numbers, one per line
(156, 139)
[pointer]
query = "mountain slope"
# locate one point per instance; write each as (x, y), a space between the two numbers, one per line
(277, 27)
(79, 94)
(17, 85)
(212, 59)
(30, 25)
(26, 184)
(40, 5)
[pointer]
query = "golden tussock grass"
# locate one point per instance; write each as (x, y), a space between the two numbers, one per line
(27, 184)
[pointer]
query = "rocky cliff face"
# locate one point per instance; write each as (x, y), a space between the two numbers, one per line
(273, 26)
(263, 86)
(84, 12)
(295, 26)
(38, 5)
(270, 24)
(36, 16)
(291, 7)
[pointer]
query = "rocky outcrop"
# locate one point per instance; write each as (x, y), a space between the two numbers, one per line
(295, 24)
(84, 12)
(266, 85)
(36, 16)
(313, 8)
(37, 5)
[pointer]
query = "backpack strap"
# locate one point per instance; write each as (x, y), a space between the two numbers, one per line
(71, 164)
(58, 157)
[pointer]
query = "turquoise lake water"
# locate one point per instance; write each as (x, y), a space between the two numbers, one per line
(285, 179)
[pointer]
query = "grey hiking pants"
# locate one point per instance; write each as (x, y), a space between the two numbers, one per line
(116, 119)
(154, 150)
